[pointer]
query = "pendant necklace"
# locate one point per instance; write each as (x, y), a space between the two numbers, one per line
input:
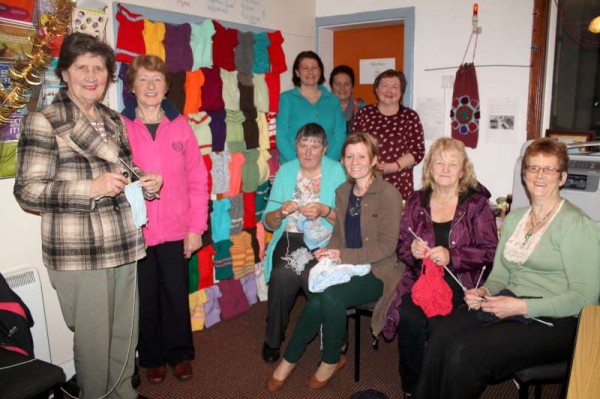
(539, 222)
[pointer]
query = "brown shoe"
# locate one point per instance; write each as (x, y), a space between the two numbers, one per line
(183, 370)
(274, 385)
(156, 375)
(316, 384)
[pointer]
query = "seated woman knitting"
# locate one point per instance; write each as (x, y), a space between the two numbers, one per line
(300, 212)
(545, 271)
(447, 224)
(365, 232)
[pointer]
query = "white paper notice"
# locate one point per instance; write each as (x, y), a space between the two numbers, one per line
(369, 69)
(431, 113)
(502, 120)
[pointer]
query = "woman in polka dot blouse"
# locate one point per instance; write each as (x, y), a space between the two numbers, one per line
(397, 128)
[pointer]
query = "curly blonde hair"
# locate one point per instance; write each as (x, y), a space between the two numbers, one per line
(445, 144)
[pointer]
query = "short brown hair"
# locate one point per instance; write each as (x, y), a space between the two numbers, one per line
(445, 144)
(372, 148)
(549, 147)
(77, 44)
(313, 131)
(390, 73)
(150, 63)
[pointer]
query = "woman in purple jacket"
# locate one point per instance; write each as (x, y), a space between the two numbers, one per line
(456, 228)
(162, 141)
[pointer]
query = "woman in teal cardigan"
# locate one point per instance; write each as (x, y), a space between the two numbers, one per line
(300, 212)
(545, 271)
(308, 102)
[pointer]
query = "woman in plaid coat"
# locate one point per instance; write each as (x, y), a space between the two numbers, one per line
(72, 156)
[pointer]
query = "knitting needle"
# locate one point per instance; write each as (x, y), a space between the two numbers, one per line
(416, 236)
(275, 201)
(130, 169)
(478, 281)
(156, 195)
(542, 321)
(480, 275)
(446, 268)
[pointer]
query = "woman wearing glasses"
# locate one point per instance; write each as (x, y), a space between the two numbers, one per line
(365, 232)
(545, 271)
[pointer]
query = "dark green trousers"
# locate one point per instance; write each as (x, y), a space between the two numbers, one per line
(329, 310)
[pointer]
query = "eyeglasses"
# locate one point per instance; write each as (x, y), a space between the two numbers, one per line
(547, 170)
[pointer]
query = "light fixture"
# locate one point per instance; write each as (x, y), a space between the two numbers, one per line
(595, 25)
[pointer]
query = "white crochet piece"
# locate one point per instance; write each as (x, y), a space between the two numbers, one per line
(327, 273)
(298, 259)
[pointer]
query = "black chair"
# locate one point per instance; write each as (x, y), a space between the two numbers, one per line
(23, 377)
(554, 373)
(356, 313)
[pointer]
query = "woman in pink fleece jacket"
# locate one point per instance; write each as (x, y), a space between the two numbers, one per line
(162, 141)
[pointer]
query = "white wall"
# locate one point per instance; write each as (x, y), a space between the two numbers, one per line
(442, 30)
(20, 231)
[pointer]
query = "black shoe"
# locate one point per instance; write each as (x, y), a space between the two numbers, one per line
(270, 355)
(70, 387)
(135, 378)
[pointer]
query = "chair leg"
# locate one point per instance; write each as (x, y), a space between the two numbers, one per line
(563, 390)
(357, 347)
(524, 391)
(58, 394)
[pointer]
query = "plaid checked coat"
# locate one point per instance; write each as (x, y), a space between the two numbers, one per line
(59, 153)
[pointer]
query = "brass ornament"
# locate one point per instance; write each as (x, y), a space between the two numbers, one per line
(29, 72)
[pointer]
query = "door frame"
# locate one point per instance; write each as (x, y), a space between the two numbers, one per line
(372, 18)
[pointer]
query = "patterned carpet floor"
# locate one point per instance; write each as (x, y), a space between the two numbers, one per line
(228, 364)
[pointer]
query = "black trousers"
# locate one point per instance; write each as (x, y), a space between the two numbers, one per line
(413, 332)
(464, 355)
(165, 327)
(284, 286)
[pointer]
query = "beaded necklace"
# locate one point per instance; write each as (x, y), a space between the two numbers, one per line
(140, 114)
(539, 222)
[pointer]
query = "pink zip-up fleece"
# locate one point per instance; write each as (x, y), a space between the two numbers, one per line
(174, 154)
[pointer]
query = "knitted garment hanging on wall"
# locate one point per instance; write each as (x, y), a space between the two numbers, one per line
(465, 111)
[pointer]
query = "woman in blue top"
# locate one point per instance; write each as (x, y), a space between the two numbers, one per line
(300, 212)
(308, 102)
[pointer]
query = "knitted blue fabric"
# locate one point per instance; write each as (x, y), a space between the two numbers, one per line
(260, 63)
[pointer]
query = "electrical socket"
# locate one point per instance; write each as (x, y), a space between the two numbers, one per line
(447, 81)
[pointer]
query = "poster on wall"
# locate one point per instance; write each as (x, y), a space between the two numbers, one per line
(431, 112)
(370, 68)
(502, 119)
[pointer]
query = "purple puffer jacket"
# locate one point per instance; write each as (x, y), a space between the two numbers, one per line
(473, 240)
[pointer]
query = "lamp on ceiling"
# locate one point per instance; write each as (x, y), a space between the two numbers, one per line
(595, 25)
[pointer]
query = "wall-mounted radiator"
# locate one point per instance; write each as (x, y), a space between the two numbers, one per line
(26, 283)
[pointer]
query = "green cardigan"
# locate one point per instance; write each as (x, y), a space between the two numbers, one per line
(564, 268)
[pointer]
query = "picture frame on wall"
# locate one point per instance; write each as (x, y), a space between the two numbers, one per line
(568, 136)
